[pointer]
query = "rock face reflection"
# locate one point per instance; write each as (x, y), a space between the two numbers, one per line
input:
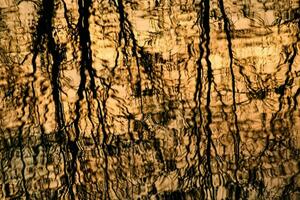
(149, 99)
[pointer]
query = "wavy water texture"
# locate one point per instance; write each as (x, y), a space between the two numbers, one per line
(153, 99)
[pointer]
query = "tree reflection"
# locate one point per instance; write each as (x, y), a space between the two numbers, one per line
(156, 99)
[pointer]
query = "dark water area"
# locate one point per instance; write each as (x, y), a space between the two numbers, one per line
(151, 99)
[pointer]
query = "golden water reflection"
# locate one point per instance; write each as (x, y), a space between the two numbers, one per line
(149, 100)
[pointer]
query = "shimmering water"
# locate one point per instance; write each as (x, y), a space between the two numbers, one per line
(151, 99)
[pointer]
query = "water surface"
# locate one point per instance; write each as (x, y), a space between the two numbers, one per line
(152, 99)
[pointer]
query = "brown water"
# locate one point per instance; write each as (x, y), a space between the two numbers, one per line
(152, 99)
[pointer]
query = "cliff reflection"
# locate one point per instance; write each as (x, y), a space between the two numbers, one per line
(120, 99)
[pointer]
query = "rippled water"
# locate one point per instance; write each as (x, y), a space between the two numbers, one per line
(152, 99)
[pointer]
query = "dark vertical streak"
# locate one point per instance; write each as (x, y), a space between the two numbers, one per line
(208, 95)
(20, 145)
(199, 86)
(127, 33)
(24, 182)
(85, 43)
(236, 135)
(44, 33)
(67, 15)
(102, 117)
(297, 94)
(204, 24)
(287, 82)
(85, 65)
(57, 58)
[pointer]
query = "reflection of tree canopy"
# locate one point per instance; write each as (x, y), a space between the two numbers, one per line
(125, 100)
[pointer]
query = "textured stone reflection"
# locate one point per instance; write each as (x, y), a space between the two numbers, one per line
(150, 99)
